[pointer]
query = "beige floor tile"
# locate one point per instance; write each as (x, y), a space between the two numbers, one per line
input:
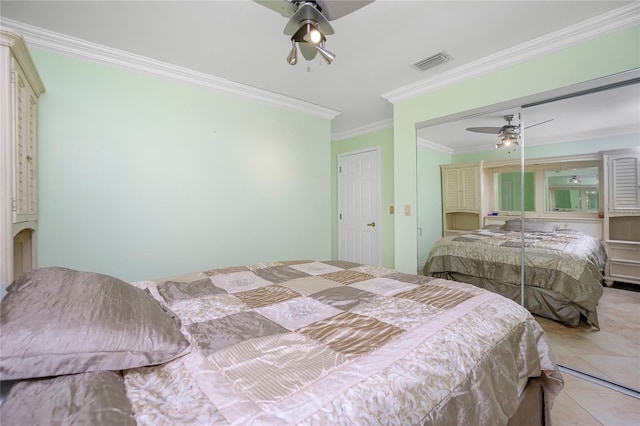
(613, 352)
(610, 408)
(582, 402)
(567, 412)
(625, 370)
(578, 362)
(576, 384)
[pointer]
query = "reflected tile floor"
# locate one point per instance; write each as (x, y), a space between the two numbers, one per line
(583, 403)
(613, 353)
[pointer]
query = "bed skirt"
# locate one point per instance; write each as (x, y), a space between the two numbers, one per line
(531, 407)
(539, 301)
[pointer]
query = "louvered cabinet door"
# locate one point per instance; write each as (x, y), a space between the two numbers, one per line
(451, 191)
(25, 183)
(625, 182)
(461, 188)
(470, 184)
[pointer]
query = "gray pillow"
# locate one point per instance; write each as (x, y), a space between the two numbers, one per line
(56, 321)
(530, 225)
(96, 398)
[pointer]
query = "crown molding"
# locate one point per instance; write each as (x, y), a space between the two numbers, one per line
(75, 47)
(363, 130)
(607, 23)
(16, 43)
(435, 146)
(451, 151)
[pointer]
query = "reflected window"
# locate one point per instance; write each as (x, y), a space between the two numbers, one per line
(509, 186)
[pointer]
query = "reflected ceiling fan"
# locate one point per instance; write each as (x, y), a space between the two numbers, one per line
(509, 133)
(309, 25)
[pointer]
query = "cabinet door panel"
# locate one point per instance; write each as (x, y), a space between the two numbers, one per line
(451, 193)
(470, 181)
(625, 181)
(25, 183)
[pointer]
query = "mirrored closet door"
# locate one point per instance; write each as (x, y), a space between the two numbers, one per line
(597, 136)
(559, 177)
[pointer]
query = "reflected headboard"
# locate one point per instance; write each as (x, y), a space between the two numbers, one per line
(590, 226)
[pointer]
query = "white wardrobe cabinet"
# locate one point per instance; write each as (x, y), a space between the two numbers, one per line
(20, 86)
(461, 197)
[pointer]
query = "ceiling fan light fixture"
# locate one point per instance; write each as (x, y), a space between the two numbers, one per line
(292, 57)
(313, 34)
(326, 55)
(508, 139)
(308, 32)
(510, 136)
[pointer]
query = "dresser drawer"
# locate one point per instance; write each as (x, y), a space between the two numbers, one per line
(625, 253)
(622, 252)
(628, 270)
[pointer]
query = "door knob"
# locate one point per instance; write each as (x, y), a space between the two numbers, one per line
(372, 224)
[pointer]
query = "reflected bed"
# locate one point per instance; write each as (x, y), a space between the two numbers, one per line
(562, 270)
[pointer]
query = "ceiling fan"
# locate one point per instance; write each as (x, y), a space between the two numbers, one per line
(509, 133)
(308, 23)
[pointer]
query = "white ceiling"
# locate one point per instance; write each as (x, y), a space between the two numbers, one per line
(612, 112)
(242, 41)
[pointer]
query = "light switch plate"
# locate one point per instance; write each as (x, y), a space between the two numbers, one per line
(407, 209)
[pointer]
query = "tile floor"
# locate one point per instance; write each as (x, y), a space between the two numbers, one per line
(612, 353)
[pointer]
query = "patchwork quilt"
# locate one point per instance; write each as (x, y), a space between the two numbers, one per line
(308, 342)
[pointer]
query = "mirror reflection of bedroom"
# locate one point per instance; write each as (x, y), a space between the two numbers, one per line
(569, 192)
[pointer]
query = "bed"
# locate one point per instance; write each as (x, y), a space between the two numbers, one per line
(562, 271)
(298, 342)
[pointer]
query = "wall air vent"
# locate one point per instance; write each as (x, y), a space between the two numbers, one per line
(432, 61)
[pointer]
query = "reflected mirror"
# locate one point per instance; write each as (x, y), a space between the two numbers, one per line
(573, 190)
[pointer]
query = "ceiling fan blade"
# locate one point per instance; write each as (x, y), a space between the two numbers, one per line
(307, 11)
(283, 7)
(492, 130)
(334, 9)
(537, 124)
(308, 50)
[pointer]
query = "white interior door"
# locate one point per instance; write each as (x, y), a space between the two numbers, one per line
(359, 206)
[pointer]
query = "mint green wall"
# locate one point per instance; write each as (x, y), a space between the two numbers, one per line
(142, 177)
(590, 60)
(428, 205)
(384, 140)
